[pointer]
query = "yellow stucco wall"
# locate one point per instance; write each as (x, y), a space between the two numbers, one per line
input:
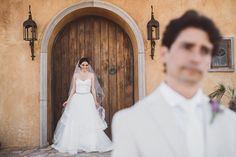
(19, 76)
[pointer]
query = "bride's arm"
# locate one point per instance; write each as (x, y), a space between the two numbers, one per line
(94, 90)
(72, 90)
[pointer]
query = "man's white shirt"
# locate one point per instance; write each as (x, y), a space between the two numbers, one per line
(189, 114)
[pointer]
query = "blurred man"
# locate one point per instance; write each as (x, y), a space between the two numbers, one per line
(178, 119)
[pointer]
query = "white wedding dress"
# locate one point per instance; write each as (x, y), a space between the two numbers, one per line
(80, 128)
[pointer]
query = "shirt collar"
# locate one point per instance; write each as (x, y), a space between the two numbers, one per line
(173, 98)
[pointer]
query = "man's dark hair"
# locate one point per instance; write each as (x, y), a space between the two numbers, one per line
(191, 19)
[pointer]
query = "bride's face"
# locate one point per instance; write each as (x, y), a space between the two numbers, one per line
(84, 66)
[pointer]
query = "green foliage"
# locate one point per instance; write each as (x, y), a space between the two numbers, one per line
(218, 93)
(229, 92)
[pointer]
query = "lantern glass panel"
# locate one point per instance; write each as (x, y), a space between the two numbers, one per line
(154, 33)
(28, 34)
(149, 31)
(34, 34)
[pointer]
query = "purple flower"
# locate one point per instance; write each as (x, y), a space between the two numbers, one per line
(215, 108)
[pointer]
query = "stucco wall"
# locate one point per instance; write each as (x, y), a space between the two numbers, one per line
(19, 76)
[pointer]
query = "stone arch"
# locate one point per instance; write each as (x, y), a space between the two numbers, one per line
(80, 9)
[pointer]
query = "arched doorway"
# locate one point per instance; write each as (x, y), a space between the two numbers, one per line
(111, 54)
(87, 7)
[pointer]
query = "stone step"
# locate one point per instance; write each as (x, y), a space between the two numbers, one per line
(46, 151)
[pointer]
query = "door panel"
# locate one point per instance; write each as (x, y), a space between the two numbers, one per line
(110, 52)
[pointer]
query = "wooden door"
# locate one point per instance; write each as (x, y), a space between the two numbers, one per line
(110, 52)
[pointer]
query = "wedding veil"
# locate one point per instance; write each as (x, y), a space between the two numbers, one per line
(99, 91)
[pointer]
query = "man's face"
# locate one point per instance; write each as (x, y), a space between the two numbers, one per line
(189, 57)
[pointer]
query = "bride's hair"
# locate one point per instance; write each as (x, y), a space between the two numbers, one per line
(83, 59)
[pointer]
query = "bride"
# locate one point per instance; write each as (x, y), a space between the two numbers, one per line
(81, 127)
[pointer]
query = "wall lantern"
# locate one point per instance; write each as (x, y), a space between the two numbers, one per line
(153, 32)
(30, 32)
